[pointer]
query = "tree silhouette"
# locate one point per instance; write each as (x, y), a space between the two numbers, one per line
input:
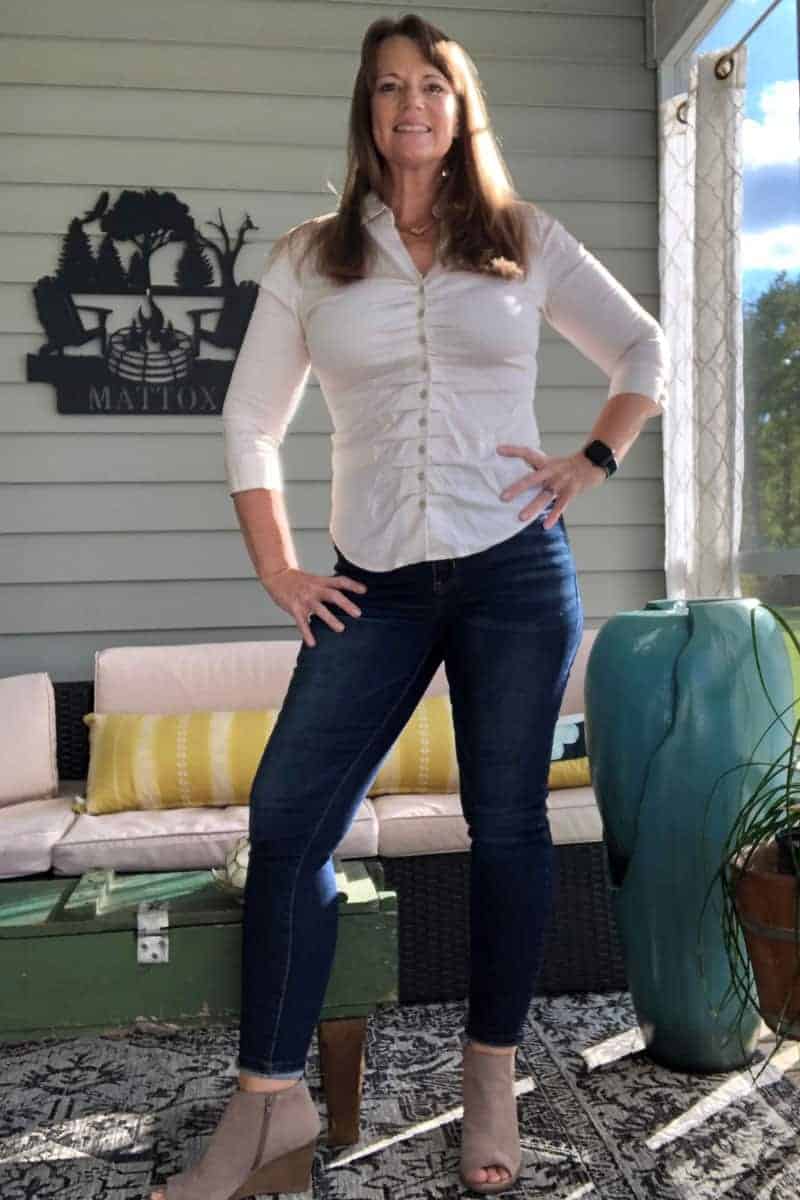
(150, 220)
(137, 274)
(193, 270)
(772, 417)
(226, 254)
(110, 274)
(76, 266)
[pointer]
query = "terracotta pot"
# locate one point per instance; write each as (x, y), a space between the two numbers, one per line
(766, 902)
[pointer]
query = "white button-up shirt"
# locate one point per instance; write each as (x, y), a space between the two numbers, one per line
(424, 376)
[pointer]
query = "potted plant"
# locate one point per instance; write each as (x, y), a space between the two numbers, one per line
(759, 871)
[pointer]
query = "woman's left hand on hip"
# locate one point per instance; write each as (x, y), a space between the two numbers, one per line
(561, 480)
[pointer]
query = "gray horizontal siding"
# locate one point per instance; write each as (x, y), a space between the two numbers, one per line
(104, 557)
(566, 32)
(28, 408)
(293, 120)
(100, 163)
(68, 656)
(287, 71)
(190, 458)
(73, 607)
(132, 507)
(107, 525)
(623, 236)
(558, 359)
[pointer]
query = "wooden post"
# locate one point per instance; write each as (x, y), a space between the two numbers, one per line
(341, 1057)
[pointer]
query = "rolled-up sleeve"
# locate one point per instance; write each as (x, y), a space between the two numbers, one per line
(590, 307)
(267, 383)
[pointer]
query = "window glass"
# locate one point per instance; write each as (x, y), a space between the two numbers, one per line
(770, 287)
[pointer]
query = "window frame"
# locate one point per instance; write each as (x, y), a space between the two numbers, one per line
(673, 78)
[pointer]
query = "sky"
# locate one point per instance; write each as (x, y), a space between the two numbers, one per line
(771, 139)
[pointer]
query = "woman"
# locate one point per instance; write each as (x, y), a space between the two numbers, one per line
(417, 303)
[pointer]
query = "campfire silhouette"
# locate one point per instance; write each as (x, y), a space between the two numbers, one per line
(148, 350)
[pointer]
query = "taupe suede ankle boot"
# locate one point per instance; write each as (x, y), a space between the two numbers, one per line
(264, 1142)
(489, 1130)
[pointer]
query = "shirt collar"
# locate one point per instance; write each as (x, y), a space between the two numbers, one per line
(372, 205)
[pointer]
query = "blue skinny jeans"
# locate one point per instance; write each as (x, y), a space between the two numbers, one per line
(507, 622)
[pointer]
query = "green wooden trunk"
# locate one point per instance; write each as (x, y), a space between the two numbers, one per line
(81, 955)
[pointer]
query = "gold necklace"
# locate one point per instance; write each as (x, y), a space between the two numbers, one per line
(421, 230)
(417, 230)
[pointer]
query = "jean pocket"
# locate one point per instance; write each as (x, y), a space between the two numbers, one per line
(547, 510)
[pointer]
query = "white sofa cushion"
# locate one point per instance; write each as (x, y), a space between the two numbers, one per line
(573, 701)
(27, 738)
(425, 823)
(433, 823)
(574, 816)
(254, 675)
(30, 830)
(211, 675)
(179, 839)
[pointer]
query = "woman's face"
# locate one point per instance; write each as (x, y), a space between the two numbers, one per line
(414, 108)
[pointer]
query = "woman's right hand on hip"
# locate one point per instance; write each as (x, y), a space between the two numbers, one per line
(301, 594)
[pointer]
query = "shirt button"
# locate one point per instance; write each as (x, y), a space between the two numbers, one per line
(421, 311)
(421, 447)
(423, 420)
(423, 394)
(422, 339)
(422, 503)
(420, 474)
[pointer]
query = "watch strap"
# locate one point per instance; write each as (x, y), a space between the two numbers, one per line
(602, 456)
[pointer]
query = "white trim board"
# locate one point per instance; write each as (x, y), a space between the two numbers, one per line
(676, 28)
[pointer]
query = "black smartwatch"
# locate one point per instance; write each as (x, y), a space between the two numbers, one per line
(602, 456)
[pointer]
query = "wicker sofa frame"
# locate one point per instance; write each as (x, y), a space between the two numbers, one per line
(582, 950)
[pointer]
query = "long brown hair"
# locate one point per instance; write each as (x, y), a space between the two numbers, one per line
(483, 223)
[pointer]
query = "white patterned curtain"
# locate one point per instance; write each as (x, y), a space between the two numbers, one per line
(700, 206)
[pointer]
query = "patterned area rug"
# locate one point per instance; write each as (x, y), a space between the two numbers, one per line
(110, 1115)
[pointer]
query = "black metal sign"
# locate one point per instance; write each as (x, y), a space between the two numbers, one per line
(141, 363)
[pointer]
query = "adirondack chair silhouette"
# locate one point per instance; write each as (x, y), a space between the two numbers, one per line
(233, 318)
(60, 317)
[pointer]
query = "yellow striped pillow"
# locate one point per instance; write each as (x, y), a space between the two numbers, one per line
(173, 760)
(423, 759)
(205, 759)
(209, 759)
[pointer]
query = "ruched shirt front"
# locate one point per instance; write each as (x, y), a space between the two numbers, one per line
(424, 376)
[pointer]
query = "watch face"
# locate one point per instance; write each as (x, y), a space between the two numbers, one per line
(602, 456)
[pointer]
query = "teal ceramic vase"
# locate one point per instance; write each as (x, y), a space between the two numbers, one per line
(673, 701)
